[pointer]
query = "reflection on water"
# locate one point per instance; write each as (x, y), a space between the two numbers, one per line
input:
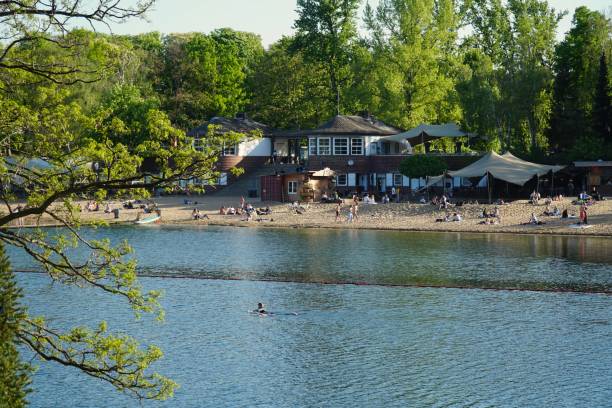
(349, 346)
(370, 257)
(353, 345)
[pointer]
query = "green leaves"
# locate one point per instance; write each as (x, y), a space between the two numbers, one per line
(421, 165)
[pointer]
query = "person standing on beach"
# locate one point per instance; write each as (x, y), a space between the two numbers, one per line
(351, 214)
(355, 209)
(338, 208)
(583, 214)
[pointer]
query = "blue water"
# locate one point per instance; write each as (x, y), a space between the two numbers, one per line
(353, 345)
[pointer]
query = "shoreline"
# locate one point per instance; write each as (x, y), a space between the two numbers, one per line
(401, 217)
(255, 224)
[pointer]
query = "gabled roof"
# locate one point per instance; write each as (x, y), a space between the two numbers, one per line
(347, 125)
(424, 133)
(238, 125)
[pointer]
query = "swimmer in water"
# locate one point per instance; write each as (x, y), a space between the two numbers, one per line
(260, 309)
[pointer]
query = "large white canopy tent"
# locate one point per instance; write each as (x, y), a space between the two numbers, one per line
(506, 167)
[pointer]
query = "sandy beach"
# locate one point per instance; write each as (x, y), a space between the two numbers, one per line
(393, 216)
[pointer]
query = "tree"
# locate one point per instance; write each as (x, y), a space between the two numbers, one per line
(518, 37)
(14, 374)
(84, 153)
(286, 91)
(325, 30)
(36, 23)
(602, 105)
(421, 165)
(414, 64)
(577, 68)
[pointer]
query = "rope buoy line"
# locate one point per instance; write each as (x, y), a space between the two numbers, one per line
(387, 285)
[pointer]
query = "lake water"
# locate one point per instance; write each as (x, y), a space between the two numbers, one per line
(354, 345)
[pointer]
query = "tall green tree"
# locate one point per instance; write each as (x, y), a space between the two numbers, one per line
(415, 61)
(577, 69)
(287, 92)
(87, 151)
(519, 37)
(602, 105)
(325, 31)
(14, 373)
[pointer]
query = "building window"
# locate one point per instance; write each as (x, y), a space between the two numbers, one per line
(292, 187)
(312, 146)
(357, 147)
(229, 150)
(341, 180)
(397, 179)
(324, 148)
(341, 145)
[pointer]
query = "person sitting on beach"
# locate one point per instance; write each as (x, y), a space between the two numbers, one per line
(324, 198)
(595, 195)
(195, 214)
(584, 196)
(456, 217)
(548, 211)
(534, 197)
(435, 201)
(222, 210)
(534, 220)
(484, 214)
(556, 211)
(231, 211)
(445, 219)
(264, 211)
(385, 199)
(548, 201)
(564, 214)
(372, 199)
(422, 200)
(366, 199)
(443, 202)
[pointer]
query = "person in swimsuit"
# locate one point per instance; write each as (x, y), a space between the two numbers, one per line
(260, 309)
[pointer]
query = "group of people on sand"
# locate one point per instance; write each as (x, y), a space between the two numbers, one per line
(246, 210)
(490, 217)
(197, 215)
(454, 217)
(352, 211)
(92, 206)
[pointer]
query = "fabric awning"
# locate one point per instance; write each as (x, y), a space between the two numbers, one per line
(424, 133)
(507, 168)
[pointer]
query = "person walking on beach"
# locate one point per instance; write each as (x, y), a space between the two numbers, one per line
(338, 208)
(351, 214)
(583, 214)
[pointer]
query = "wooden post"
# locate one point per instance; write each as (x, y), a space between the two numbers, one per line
(489, 186)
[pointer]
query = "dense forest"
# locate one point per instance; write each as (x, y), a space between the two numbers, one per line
(496, 67)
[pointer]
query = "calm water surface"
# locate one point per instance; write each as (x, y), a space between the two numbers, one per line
(354, 345)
